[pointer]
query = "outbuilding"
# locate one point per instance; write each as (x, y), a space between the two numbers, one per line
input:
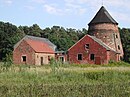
(33, 50)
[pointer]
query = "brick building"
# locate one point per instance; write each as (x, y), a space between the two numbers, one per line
(33, 50)
(101, 45)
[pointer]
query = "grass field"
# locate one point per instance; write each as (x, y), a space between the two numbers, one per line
(112, 80)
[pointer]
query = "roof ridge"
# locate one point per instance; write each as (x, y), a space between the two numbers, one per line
(42, 39)
(102, 43)
(45, 40)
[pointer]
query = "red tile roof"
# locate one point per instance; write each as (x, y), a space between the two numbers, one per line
(40, 46)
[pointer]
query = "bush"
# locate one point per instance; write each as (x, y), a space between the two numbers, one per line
(120, 63)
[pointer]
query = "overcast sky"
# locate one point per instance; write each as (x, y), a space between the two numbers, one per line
(66, 13)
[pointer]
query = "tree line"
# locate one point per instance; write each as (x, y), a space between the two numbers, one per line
(62, 37)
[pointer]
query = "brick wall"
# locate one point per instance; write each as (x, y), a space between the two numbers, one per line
(109, 34)
(46, 58)
(23, 50)
(103, 26)
(94, 48)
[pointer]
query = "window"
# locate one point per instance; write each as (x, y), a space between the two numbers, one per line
(61, 58)
(116, 36)
(86, 46)
(92, 56)
(79, 56)
(118, 47)
(24, 58)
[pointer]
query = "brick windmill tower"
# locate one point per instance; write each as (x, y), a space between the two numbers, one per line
(105, 28)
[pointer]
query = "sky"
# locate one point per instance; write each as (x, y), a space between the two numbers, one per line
(66, 13)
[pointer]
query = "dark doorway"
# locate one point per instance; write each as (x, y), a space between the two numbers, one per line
(41, 60)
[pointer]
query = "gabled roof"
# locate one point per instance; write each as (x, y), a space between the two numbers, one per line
(39, 46)
(44, 40)
(98, 41)
(102, 16)
(101, 43)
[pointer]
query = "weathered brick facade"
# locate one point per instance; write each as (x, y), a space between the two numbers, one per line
(109, 34)
(24, 49)
(101, 54)
(33, 51)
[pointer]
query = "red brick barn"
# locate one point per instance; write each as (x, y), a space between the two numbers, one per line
(91, 50)
(33, 50)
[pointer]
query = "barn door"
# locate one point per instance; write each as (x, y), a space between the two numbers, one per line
(97, 60)
(41, 60)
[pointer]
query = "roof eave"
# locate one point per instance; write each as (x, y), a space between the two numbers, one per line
(102, 23)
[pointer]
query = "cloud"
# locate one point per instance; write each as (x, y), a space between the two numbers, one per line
(9, 2)
(69, 9)
(121, 16)
(118, 8)
(52, 9)
(75, 6)
(80, 7)
(6, 2)
(98, 3)
(75, 9)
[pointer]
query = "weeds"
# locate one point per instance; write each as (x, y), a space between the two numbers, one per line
(20, 81)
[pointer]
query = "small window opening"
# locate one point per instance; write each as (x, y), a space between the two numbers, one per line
(118, 47)
(86, 46)
(116, 36)
(92, 56)
(79, 56)
(24, 58)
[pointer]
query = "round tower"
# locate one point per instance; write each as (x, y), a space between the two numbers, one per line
(104, 27)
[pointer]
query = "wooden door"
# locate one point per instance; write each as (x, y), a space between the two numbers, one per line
(97, 60)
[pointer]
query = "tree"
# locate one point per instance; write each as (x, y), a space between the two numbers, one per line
(9, 35)
(125, 38)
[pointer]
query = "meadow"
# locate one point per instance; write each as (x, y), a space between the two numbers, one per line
(58, 80)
